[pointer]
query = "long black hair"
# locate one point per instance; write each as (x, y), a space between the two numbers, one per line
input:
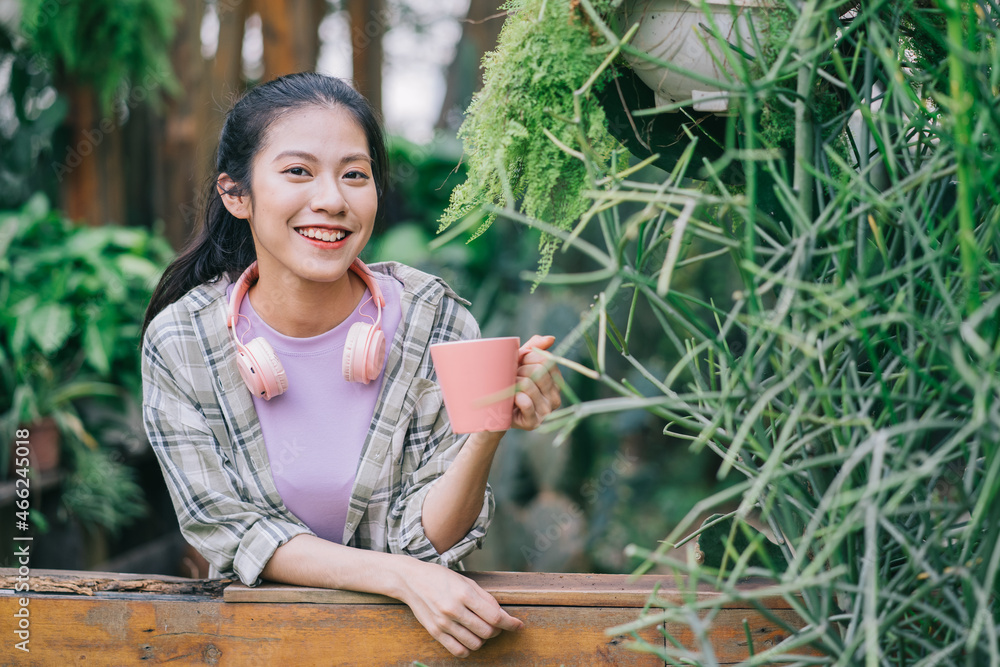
(224, 244)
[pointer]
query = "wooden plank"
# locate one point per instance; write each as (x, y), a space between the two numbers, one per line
(69, 630)
(271, 592)
(125, 619)
(155, 629)
(522, 588)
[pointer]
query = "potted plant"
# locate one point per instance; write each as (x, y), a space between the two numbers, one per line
(691, 48)
(525, 130)
(71, 304)
(560, 92)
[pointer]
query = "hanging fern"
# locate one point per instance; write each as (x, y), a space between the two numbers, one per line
(547, 50)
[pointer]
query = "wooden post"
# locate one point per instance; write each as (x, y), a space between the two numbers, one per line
(225, 85)
(80, 171)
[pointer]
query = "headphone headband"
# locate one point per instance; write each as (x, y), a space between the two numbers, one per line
(252, 274)
(364, 351)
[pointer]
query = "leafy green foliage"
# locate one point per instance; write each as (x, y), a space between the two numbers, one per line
(26, 134)
(524, 130)
(850, 382)
(100, 491)
(72, 301)
(111, 45)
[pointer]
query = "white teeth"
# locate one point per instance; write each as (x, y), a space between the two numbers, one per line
(322, 234)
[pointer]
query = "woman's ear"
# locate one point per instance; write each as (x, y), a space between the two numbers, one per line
(238, 205)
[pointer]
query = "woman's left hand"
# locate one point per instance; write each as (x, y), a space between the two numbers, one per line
(537, 389)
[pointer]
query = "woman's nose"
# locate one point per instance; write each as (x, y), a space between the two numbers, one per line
(328, 197)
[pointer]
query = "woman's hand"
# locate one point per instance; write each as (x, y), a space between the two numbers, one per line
(452, 608)
(537, 389)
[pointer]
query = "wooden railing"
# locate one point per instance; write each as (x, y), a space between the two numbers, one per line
(113, 619)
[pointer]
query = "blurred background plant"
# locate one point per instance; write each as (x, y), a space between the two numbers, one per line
(72, 296)
(105, 47)
(26, 131)
(71, 300)
(824, 319)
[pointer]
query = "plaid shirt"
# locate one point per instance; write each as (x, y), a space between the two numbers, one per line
(200, 419)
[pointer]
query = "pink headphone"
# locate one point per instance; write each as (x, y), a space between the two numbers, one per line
(364, 351)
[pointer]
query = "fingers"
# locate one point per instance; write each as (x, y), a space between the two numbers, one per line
(507, 622)
(536, 341)
(532, 405)
(459, 631)
(546, 380)
(470, 633)
(489, 617)
(459, 614)
(538, 384)
(471, 629)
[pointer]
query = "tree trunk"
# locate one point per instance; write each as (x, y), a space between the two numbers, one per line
(181, 134)
(79, 172)
(369, 20)
(291, 35)
(225, 85)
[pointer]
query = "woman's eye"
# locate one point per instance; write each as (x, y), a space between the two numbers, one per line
(355, 174)
(297, 171)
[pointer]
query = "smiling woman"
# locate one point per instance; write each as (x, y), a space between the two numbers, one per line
(312, 213)
(351, 480)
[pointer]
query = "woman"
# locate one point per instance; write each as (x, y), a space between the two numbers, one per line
(281, 464)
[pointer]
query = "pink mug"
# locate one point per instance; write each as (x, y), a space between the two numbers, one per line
(477, 380)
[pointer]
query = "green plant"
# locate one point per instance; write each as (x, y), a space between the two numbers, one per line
(525, 129)
(71, 303)
(26, 134)
(420, 183)
(850, 381)
(100, 491)
(110, 45)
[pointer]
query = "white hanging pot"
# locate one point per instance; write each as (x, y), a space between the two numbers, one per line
(677, 31)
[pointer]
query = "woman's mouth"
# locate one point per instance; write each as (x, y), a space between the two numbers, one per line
(322, 234)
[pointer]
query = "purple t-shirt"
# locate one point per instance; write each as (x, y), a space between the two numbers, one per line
(315, 431)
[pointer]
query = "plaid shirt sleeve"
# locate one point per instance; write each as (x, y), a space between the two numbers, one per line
(430, 449)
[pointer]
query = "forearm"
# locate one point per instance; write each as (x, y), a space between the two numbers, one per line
(307, 560)
(456, 499)
(457, 612)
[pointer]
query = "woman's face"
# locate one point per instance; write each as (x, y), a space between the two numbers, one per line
(313, 198)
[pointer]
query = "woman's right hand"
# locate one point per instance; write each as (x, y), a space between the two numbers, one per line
(452, 608)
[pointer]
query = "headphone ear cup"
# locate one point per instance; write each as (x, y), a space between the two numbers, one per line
(364, 353)
(374, 354)
(266, 371)
(353, 371)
